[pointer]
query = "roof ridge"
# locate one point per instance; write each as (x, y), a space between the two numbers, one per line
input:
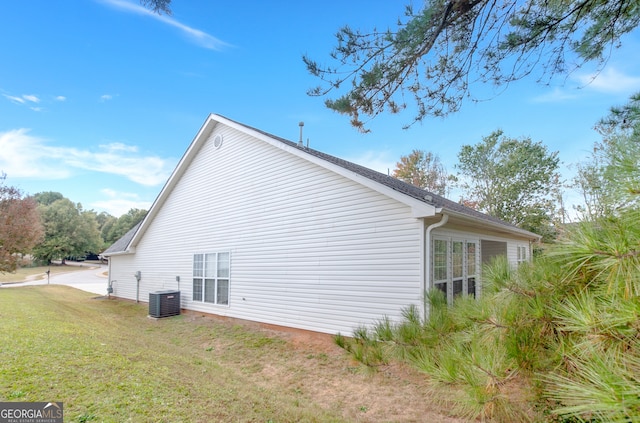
(396, 184)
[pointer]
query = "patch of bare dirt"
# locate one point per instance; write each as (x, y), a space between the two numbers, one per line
(325, 374)
(394, 393)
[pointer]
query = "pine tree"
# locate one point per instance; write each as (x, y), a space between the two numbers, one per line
(560, 335)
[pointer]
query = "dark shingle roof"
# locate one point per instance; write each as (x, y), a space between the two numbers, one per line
(396, 184)
(407, 189)
(121, 244)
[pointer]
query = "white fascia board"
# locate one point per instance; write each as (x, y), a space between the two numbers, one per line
(419, 209)
(507, 228)
(122, 253)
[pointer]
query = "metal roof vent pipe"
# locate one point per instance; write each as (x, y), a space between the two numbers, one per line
(300, 143)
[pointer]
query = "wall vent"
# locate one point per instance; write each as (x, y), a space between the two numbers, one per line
(217, 141)
(164, 303)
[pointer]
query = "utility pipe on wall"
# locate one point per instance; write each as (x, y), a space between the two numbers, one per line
(138, 276)
(427, 260)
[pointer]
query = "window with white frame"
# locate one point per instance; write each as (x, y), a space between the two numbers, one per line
(472, 266)
(440, 265)
(455, 266)
(211, 277)
(522, 254)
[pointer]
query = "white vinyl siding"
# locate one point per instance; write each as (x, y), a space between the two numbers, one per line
(310, 248)
(311, 245)
(121, 276)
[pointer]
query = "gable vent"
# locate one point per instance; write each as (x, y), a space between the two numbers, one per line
(217, 141)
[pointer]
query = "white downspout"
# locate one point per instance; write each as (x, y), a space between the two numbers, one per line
(109, 280)
(427, 260)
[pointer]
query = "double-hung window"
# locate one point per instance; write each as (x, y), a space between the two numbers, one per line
(455, 266)
(211, 277)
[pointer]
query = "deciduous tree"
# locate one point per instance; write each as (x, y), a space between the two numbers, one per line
(20, 227)
(48, 197)
(515, 180)
(435, 53)
(122, 225)
(424, 170)
(69, 231)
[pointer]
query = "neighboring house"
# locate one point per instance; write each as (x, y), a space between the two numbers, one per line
(255, 227)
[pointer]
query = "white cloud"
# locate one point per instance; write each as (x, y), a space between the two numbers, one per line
(610, 80)
(119, 203)
(105, 97)
(61, 98)
(148, 171)
(118, 146)
(14, 98)
(556, 96)
(111, 193)
(31, 98)
(26, 156)
(199, 37)
(23, 99)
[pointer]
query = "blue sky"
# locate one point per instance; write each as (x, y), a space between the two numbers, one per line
(99, 99)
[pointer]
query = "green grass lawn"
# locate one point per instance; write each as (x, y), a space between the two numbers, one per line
(108, 362)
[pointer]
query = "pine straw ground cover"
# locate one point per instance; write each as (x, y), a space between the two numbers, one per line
(108, 362)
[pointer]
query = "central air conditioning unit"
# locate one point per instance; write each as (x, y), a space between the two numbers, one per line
(164, 303)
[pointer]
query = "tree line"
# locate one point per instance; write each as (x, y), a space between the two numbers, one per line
(48, 226)
(514, 179)
(517, 180)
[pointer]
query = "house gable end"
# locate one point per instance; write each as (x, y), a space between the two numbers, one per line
(423, 203)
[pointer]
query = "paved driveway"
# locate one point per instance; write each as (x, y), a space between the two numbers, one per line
(90, 280)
